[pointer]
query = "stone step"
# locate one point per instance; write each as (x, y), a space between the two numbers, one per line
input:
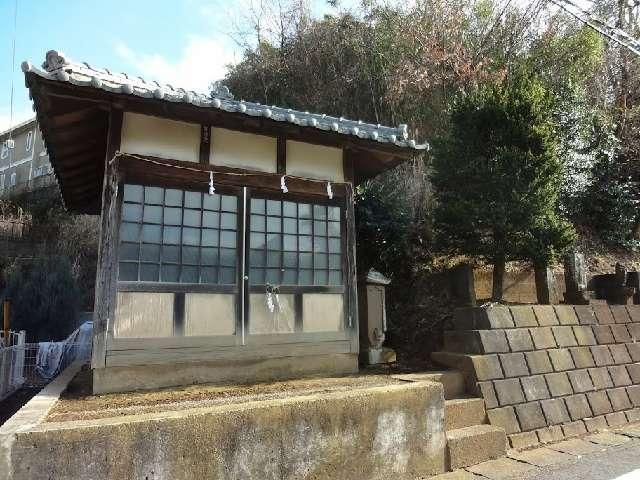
(463, 341)
(452, 381)
(461, 362)
(463, 412)
(476, 444)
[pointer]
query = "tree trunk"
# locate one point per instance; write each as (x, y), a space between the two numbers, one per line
(498, 279)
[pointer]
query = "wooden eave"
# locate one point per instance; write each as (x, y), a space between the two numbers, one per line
(74, 122)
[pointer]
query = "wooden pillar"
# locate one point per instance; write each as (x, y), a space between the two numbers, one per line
(205, 144)
(281, 155)
(351, 281)
(107, 268)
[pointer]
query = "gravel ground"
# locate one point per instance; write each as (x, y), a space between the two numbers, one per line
(78, 404)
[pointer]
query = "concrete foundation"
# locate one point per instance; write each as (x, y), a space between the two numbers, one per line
(391, 432)
(146, 377)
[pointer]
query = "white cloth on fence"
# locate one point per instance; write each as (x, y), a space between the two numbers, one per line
(52, 355)
(49, 358)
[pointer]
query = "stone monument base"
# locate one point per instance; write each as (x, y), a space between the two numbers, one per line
(377, 356)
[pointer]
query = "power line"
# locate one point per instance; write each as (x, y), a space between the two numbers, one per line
(615, 34)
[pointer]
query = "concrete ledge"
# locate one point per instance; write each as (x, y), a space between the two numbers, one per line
(391, 432)
(147, 377)
(33, 413)
(452, 381)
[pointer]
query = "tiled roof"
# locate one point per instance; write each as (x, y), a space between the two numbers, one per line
(58, 67)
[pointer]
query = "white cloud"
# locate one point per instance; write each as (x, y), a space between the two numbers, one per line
(202, 61)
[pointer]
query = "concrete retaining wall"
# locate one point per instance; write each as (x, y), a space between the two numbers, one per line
(392, 432)
(548, 372)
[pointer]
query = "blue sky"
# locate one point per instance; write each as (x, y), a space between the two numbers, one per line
(183, 42)
(186, 43)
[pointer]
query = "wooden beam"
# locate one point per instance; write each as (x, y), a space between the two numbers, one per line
(86, 147)
(81, 200)
(281, 155)
(347, 165)
(205, 144)
(81, 158)
(107, 269)
(82, 186)
(195, 176)
(80, 133)
(84, 171)
(71, 118)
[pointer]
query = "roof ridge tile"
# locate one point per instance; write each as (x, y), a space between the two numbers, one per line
(57, 66)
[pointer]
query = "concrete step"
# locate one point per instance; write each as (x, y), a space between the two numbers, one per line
(476, 444)
(452, 381)
(463, 412)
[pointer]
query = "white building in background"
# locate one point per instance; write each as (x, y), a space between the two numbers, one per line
(24, 161)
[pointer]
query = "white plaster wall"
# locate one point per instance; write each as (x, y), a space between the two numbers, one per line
(262, 321)
(209, 314)
(230, 148)
(143, 315)
(322, 312)
(160, 137)
(314, 161)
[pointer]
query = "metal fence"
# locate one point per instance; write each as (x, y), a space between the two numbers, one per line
(35, 364)
(12, 356)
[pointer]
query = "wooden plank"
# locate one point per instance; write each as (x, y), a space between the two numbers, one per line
(159, 287)
(130, 344)
(71, 118)
(83, 185)
(107, 268)
(80, 133)
(205, 144)
(207, 342)
(281, 155)
(90, 170)
(170, 356)
(87, 146)
(79, 159)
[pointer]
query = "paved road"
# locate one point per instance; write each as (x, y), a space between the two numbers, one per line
(621, 462)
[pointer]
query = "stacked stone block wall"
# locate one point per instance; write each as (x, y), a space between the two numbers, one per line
(548, 372)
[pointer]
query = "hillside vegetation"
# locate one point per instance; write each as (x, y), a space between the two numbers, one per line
(533, 119)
